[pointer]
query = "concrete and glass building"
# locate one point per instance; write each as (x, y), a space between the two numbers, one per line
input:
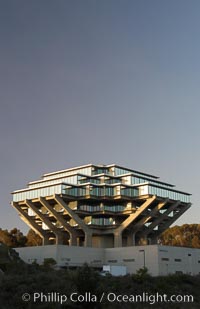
(100, 206)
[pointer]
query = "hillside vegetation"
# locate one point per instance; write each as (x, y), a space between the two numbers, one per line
(15, 238)
(187, 235)
(20, 279)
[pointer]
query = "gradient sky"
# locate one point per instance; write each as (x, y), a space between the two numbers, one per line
(107, 81)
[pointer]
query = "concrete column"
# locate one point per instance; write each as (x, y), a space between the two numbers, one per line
(131, 239)
(45, 240)
(134, 239)
(131, 218)
(78, 241)
(88, 240)
(88, 232)
(73, 240)
(117, 239)
(59, 238)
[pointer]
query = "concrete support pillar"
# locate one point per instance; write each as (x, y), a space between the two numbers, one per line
(130, 219)
(88, 232)
(88, 240)
(161, 218)
(59, 238)
(131, 239)
(59, 218)
(134, 242)
(31, 222)
(117, 239)
(78, 242)
(140, 224)
(73, 240)
(45, 240)
(45, 219)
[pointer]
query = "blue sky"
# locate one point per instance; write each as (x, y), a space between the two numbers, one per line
(106, 81)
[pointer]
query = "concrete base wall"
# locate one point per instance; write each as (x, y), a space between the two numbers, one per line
(134, 258)
(160, 260)
(178, 259)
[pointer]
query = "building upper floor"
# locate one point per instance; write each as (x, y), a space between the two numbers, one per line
(99, 181)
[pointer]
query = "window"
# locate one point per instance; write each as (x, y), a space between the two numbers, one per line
(112, 261)
(177, 260)
(178, 272)
(66, 259)
(129, 260)
(165, 259)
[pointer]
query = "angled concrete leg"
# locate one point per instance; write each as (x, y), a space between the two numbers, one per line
(59, 218)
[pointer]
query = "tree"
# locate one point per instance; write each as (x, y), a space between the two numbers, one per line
(33, 239)
(187, 235)
(49, 262)
(142, 274)
(86, 279)
(18, 237)
(6, 238)
(195, 242)
(13, 239)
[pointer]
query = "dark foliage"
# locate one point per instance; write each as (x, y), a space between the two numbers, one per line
(23, 278)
